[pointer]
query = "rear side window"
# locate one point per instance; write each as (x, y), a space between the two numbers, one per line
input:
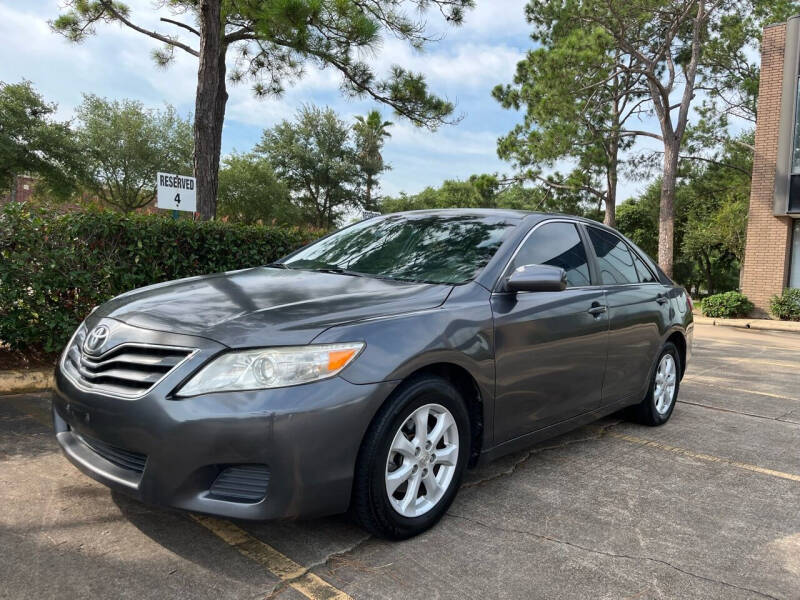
(559, 245)
(645, 274)
(613, 258)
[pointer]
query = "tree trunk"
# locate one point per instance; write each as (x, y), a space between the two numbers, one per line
(209, 111)
(13, 192)
(706, 262)
(368, 199)
(666, 215)
(610, 217)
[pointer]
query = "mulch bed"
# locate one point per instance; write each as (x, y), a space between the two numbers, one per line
(17, 360)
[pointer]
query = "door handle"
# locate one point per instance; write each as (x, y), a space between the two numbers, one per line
(596, 310)
(661, 299)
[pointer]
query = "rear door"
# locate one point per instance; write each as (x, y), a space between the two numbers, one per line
(637, 309)
(550, 347)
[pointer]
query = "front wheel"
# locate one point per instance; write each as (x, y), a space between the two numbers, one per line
(657, 406)
(412, 459)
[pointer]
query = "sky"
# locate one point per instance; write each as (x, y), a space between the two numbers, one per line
(463, 66)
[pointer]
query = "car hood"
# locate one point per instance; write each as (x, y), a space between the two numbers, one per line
(267, 306)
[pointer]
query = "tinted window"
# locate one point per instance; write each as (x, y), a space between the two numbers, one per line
(613, 258)
(434, 248)
(645, 274)
(556, 244)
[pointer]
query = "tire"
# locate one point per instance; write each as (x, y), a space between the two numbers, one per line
(408, 511)
(656, 409)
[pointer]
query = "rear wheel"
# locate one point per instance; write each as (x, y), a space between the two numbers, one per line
(412, 459)
(657, 406)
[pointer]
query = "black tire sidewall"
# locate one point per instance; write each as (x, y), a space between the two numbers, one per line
(417, 393)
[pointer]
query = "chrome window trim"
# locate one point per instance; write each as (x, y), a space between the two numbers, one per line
(103, 392)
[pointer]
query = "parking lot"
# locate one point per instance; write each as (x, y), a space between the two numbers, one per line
(707, 506)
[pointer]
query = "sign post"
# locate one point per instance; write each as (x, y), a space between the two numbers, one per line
(176, 193)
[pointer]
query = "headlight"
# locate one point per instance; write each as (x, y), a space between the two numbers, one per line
(271, 368)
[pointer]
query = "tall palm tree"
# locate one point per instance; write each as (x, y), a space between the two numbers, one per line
(371, 132)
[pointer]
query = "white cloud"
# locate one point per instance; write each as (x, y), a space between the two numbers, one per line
(468, 65)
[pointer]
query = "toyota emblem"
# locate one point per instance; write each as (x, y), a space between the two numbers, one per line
(97, 337)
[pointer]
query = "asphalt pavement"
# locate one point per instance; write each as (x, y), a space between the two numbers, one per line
(707, 506)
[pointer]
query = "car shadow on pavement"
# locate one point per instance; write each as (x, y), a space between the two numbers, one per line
(176, 532)
(307, 541)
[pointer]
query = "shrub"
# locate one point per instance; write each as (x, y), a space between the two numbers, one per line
(727, 305)
(787, 305)
(55, 268)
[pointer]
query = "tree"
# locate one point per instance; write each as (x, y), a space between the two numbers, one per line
(664, 44)
(732, 56)
(370, 132)
(315, 157)
(710, 218)
(250, 192)
(31, 141)
(124, 145)
(274, 41)
(489, 191)
(576, 106)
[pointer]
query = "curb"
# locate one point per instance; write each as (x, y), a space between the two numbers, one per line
(761, 324)
(16, 381)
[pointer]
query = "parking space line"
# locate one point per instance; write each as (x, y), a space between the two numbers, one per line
(736, 412)
(755, 361)
(284, 568)
(700, 456)
(717, 381)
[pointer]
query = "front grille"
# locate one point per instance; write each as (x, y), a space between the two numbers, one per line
(241, 483)
(128, 370)
(127, 459)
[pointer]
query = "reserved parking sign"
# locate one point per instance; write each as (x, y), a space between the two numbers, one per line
(176, 192)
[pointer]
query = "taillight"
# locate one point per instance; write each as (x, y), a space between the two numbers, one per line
(689, 305)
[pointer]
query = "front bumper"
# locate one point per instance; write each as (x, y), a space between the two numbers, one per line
(308, 437)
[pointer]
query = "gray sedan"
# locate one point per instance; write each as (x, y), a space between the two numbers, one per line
(369, 369)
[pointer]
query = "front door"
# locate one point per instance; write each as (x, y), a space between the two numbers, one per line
(550, 347)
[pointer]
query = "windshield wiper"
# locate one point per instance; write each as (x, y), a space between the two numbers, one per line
(338, 271)
(276, 265)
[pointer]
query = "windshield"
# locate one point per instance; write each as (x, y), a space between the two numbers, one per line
(429, 248)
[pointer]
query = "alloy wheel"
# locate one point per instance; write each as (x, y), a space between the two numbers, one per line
(665, 383)
(422, 460)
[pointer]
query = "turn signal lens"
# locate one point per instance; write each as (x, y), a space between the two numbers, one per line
(267, 368)
(337, 359)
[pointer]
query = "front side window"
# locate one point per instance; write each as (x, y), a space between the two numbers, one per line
(559, 245)
(613, 258)
(433, 248)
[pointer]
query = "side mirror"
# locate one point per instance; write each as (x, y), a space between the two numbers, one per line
(537, 278)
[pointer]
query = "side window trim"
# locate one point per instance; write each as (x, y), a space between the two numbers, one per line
(594, 268)
(496, 288)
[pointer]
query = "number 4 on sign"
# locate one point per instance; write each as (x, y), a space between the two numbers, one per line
(177, 199)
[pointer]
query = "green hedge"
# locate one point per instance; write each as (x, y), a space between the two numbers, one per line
(787, 305)
(55, 268)
(727, 305)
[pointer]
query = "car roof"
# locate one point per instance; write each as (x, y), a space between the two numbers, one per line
(477, 212)
(533, 216)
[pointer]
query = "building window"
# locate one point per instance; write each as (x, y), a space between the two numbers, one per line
(794, 274)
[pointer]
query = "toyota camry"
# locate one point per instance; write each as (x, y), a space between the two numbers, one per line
(370, 369)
